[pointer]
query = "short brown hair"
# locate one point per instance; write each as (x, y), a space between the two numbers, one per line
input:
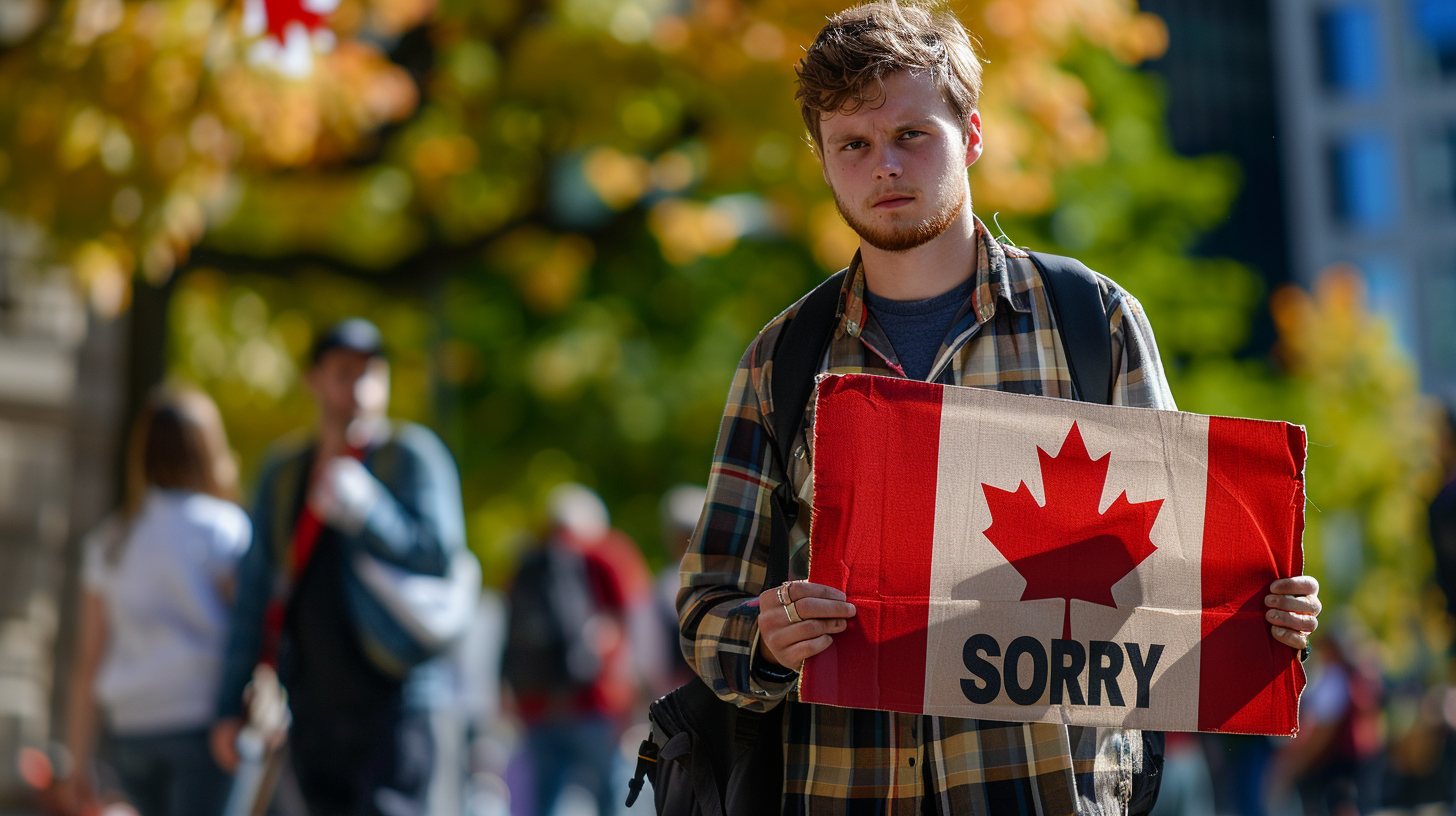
(859, 47)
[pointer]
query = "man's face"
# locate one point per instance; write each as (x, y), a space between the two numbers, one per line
(350, 385)
(898, 168)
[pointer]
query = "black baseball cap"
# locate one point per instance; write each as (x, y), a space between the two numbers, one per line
(353, 334)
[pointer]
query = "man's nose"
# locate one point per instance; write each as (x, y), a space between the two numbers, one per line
(887, 164)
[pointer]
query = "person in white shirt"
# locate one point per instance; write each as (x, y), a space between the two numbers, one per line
(157, 582)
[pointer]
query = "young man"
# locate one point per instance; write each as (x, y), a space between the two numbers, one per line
(889, 95)
(361, 739)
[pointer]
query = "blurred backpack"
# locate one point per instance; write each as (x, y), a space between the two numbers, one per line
(549, 648)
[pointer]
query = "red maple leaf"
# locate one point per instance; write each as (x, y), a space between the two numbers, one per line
(283, 13)
(1066, 548)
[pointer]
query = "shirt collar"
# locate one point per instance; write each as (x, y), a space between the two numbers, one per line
(996, 280)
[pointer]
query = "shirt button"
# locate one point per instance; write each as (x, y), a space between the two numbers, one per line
(912, 762)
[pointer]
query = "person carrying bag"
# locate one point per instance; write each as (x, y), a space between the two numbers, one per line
(359, 550)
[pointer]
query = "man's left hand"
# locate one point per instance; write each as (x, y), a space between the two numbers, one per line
(1294, 608)
(344, 493)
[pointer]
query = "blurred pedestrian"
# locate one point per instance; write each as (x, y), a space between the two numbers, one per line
(1241, 765)
(1187, 788)
(1334, 762)
(567, 660)
(157, 580)
(1442, 518)
(361, 740)
(661, 655)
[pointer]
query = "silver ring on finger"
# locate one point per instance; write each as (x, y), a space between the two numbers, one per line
(782, 593)
(792, 612)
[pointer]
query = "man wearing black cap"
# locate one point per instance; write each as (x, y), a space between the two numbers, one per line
(360, 741)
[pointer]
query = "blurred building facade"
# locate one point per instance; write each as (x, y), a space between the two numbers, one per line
(62, 395)
(1342, 114)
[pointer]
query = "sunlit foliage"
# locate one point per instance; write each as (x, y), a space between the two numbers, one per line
(1373, 462)
(569, 218)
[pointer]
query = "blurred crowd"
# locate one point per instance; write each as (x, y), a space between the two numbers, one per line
(1369, 742)
(332, 651)
(1372, 739)
(222, 666)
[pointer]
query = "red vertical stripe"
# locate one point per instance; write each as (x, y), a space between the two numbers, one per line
(1252, 534)
(876, 462)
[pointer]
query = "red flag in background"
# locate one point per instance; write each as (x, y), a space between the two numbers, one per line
(287, 33)
(1042, 560)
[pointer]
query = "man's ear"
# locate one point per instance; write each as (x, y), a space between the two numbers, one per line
(974, 145)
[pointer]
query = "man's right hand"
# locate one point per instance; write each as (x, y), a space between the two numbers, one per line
(224, 742)
(797, 621)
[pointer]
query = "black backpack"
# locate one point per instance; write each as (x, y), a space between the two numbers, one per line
(716, 759)
(548, 646)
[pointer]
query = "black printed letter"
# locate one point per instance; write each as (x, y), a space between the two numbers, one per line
(1011, 670)
(1065, 675)
(1101, 674)
(1143, 671)
(990, 686)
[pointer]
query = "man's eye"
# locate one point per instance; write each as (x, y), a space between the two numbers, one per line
(911, 134)
(857, 144)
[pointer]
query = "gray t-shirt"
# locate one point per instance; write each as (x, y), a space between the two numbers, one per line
(166, 614)
(916, 329)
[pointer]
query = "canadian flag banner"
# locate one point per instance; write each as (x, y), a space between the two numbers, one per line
(1030, 559)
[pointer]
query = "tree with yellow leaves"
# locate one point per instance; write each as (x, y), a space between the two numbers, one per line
(1372, 465)
(570, 217)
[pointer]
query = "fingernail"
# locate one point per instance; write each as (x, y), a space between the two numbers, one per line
(1280, 631)
(852, 609)
(1269, 599)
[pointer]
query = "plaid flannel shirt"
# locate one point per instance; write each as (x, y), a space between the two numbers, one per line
(851, 761)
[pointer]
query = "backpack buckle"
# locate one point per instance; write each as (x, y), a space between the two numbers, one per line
(646, 768)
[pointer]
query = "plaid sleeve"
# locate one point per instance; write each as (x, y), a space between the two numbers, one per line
(726, 564)
(1140, 380)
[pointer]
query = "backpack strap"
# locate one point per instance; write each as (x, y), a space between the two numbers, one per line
(1075, 294)
(795, 358)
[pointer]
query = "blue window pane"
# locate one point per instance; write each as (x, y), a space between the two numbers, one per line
(1363, 173)
(1436, 19)
(1349, 50)
(1390, 298)
(1433, 26)
(1433, 169)
(1438, 329)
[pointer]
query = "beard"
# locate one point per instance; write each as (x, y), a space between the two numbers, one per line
(902, 238)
